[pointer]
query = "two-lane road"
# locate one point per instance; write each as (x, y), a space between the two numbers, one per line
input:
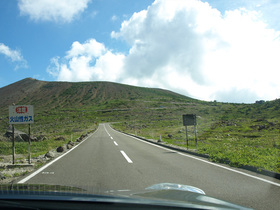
(109, 160)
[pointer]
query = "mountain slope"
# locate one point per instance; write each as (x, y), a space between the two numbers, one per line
(17, 91)
(70, 94)
(241, 134)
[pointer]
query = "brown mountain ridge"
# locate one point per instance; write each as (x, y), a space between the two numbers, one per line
(75, 94)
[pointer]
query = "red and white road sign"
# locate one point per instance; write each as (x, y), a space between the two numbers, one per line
(21, 114)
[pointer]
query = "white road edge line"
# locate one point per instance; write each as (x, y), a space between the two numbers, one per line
(107, 131)
(205, 161)
(116, 143)
(53, 161)
(126, 157)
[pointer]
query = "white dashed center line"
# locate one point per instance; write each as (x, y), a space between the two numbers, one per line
(126, 157)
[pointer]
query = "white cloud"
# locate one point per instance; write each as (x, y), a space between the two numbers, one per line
(114, 18)
(52, 10)
(87, 61)
(14, 55)
(91, 48)
(93, 14)
(200, 52)
(268, 8)
(188, 47)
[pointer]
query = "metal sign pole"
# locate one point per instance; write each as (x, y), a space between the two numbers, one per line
(29, 142)
(21, 114)
(195, 134)
(13, 129)
(187, 138)
(189, 119)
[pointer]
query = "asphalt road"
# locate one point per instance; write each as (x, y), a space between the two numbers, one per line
(109, 160)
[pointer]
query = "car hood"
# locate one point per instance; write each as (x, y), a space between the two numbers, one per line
(162, 194)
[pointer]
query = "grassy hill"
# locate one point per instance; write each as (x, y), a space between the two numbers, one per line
(66, 94)
(239, 134)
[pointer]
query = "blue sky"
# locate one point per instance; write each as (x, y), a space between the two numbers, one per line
(211, 50)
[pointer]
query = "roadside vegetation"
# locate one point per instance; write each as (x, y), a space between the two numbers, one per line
(51, 129)
(236, 134)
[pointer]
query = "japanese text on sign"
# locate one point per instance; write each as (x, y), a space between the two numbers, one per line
(21, 114)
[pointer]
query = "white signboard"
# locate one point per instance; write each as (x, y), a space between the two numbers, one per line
(21, 114)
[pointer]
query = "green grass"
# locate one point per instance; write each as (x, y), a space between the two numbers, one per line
(20, 174)
(53, 124)
(37, 148)
(238, 147)
(238, 134)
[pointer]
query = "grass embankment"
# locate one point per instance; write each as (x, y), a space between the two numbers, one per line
(52, 128)
(237, 134)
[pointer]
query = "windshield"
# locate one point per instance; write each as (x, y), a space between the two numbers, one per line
(118, 96)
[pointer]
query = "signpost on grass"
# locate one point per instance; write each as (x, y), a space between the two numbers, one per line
(21, 114)
(190, 119)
